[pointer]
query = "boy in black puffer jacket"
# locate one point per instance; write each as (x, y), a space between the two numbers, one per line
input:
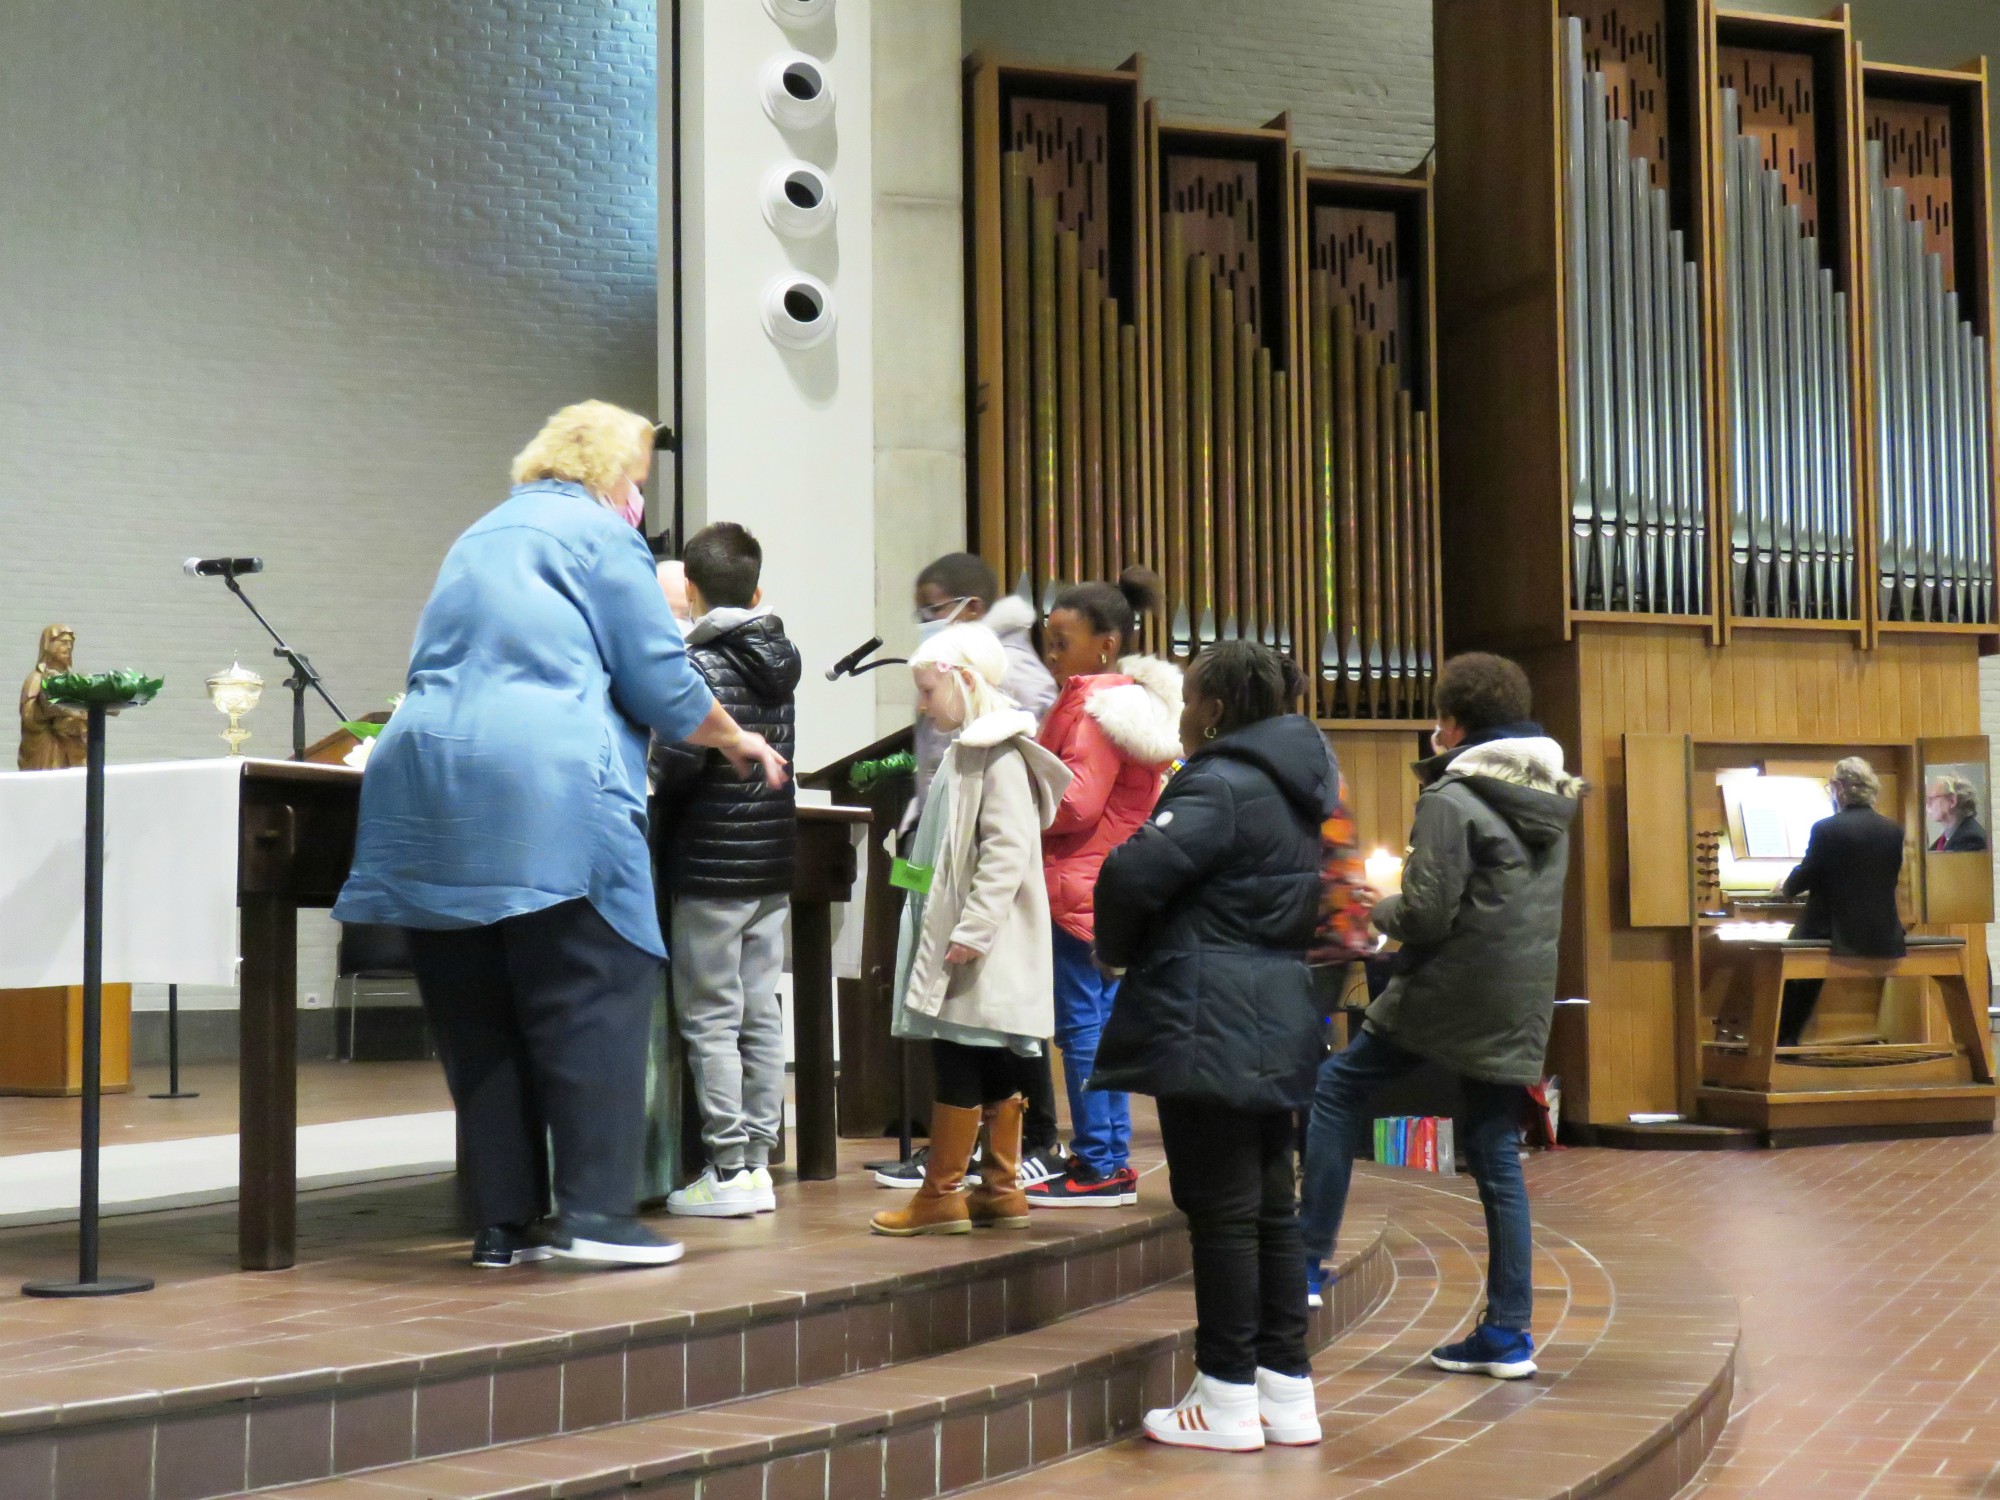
(728, 868)
(1478, 918)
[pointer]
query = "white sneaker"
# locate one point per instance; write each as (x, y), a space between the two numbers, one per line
(1288, 1409)
(1213, 1414)
(713, 1197)
(767, 1192)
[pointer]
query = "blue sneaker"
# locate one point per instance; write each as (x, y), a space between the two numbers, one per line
(1503, 1353)
(1318, 1279)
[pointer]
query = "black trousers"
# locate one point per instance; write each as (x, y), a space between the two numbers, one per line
(542, 1023)
(1035, 1082)
(1801, 996)
(1232, 1178)
(969, 1077)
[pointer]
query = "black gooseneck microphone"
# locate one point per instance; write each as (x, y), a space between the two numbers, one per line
(850, 664)
(303, 673)
(222, 567)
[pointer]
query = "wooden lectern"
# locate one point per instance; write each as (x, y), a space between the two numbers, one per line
(871, 1062)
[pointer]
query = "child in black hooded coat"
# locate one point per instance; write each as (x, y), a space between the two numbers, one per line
(1209, 909)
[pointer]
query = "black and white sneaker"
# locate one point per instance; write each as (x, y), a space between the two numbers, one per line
(504, 1245)
(910, 1174)
(1040, 1166)
(603, 1240)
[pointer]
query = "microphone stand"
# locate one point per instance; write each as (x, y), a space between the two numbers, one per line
(303, 674)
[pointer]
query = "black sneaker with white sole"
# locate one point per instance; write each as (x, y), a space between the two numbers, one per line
(910, 1174)
(504, 1245)
(1040, 1166)
(604, 1240)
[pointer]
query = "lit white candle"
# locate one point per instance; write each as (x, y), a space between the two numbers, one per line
(1384, 871)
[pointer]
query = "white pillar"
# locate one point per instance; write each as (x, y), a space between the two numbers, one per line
(782, 439)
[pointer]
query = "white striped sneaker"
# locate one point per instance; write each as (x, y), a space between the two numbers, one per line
(1040, 1166)
(1213, 1414)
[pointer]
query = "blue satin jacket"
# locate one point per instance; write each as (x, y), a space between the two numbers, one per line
(513, 776)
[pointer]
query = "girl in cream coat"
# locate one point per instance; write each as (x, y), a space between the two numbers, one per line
(973, 958)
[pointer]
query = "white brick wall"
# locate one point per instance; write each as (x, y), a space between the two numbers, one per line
(1355, 74)
(297, 280)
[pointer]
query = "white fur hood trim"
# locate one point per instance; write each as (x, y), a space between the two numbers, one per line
(1536, 763)
(1048, 777)
(1002, 724)
(1010, 615)
(1142, 717)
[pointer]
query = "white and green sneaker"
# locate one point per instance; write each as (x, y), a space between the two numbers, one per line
(767, 1192)
(712, 1196)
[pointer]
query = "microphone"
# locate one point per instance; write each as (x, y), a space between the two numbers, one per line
(853, 658)
(222, 567)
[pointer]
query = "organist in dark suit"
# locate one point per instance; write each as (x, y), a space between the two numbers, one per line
(1952, 805)
(1852, 864)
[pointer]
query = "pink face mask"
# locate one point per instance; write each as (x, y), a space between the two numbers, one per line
(632, 506)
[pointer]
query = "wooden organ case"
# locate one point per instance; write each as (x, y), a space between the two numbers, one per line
(1691, 485)
(1188, 349)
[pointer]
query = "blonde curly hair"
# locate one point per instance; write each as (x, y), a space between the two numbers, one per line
(593, 443)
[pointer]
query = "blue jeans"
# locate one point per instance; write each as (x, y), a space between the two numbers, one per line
(1100, 1123)
(1341, 1125)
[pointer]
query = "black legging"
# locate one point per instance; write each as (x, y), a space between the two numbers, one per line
(969, 1077)
(1036, 1083)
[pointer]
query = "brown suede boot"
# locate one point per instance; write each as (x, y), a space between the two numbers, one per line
(998, 1202)
(939, 1206)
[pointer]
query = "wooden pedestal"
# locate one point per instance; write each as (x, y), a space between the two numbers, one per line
(41, 1040)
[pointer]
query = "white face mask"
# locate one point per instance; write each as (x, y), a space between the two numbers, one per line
(928, 628)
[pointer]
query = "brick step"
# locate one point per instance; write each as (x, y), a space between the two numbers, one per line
(213, 1386)
(911, 1431)
(1637, 1359)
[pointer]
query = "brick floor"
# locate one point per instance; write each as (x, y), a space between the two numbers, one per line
(1868, 1278)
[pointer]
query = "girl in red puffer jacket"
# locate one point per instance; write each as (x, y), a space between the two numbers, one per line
(1116, 725)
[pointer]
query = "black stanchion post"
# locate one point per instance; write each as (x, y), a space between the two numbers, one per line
(88, 1283)
(174, 1089)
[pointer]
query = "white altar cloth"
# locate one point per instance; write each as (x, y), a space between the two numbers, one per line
(170, 838)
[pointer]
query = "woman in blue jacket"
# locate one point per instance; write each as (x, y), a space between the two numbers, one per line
(503, 821)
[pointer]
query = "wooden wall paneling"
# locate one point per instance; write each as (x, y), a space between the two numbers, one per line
(1382, 788)
(1500, 322)
(1659, 838)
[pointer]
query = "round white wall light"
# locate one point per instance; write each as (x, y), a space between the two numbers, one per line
(798, 311)
(797, 93)
(797, 12)
(798, 199)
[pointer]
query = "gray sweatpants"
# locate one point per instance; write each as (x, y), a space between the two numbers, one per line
(728, 952)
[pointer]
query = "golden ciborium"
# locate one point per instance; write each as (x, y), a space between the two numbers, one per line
(235, 693)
